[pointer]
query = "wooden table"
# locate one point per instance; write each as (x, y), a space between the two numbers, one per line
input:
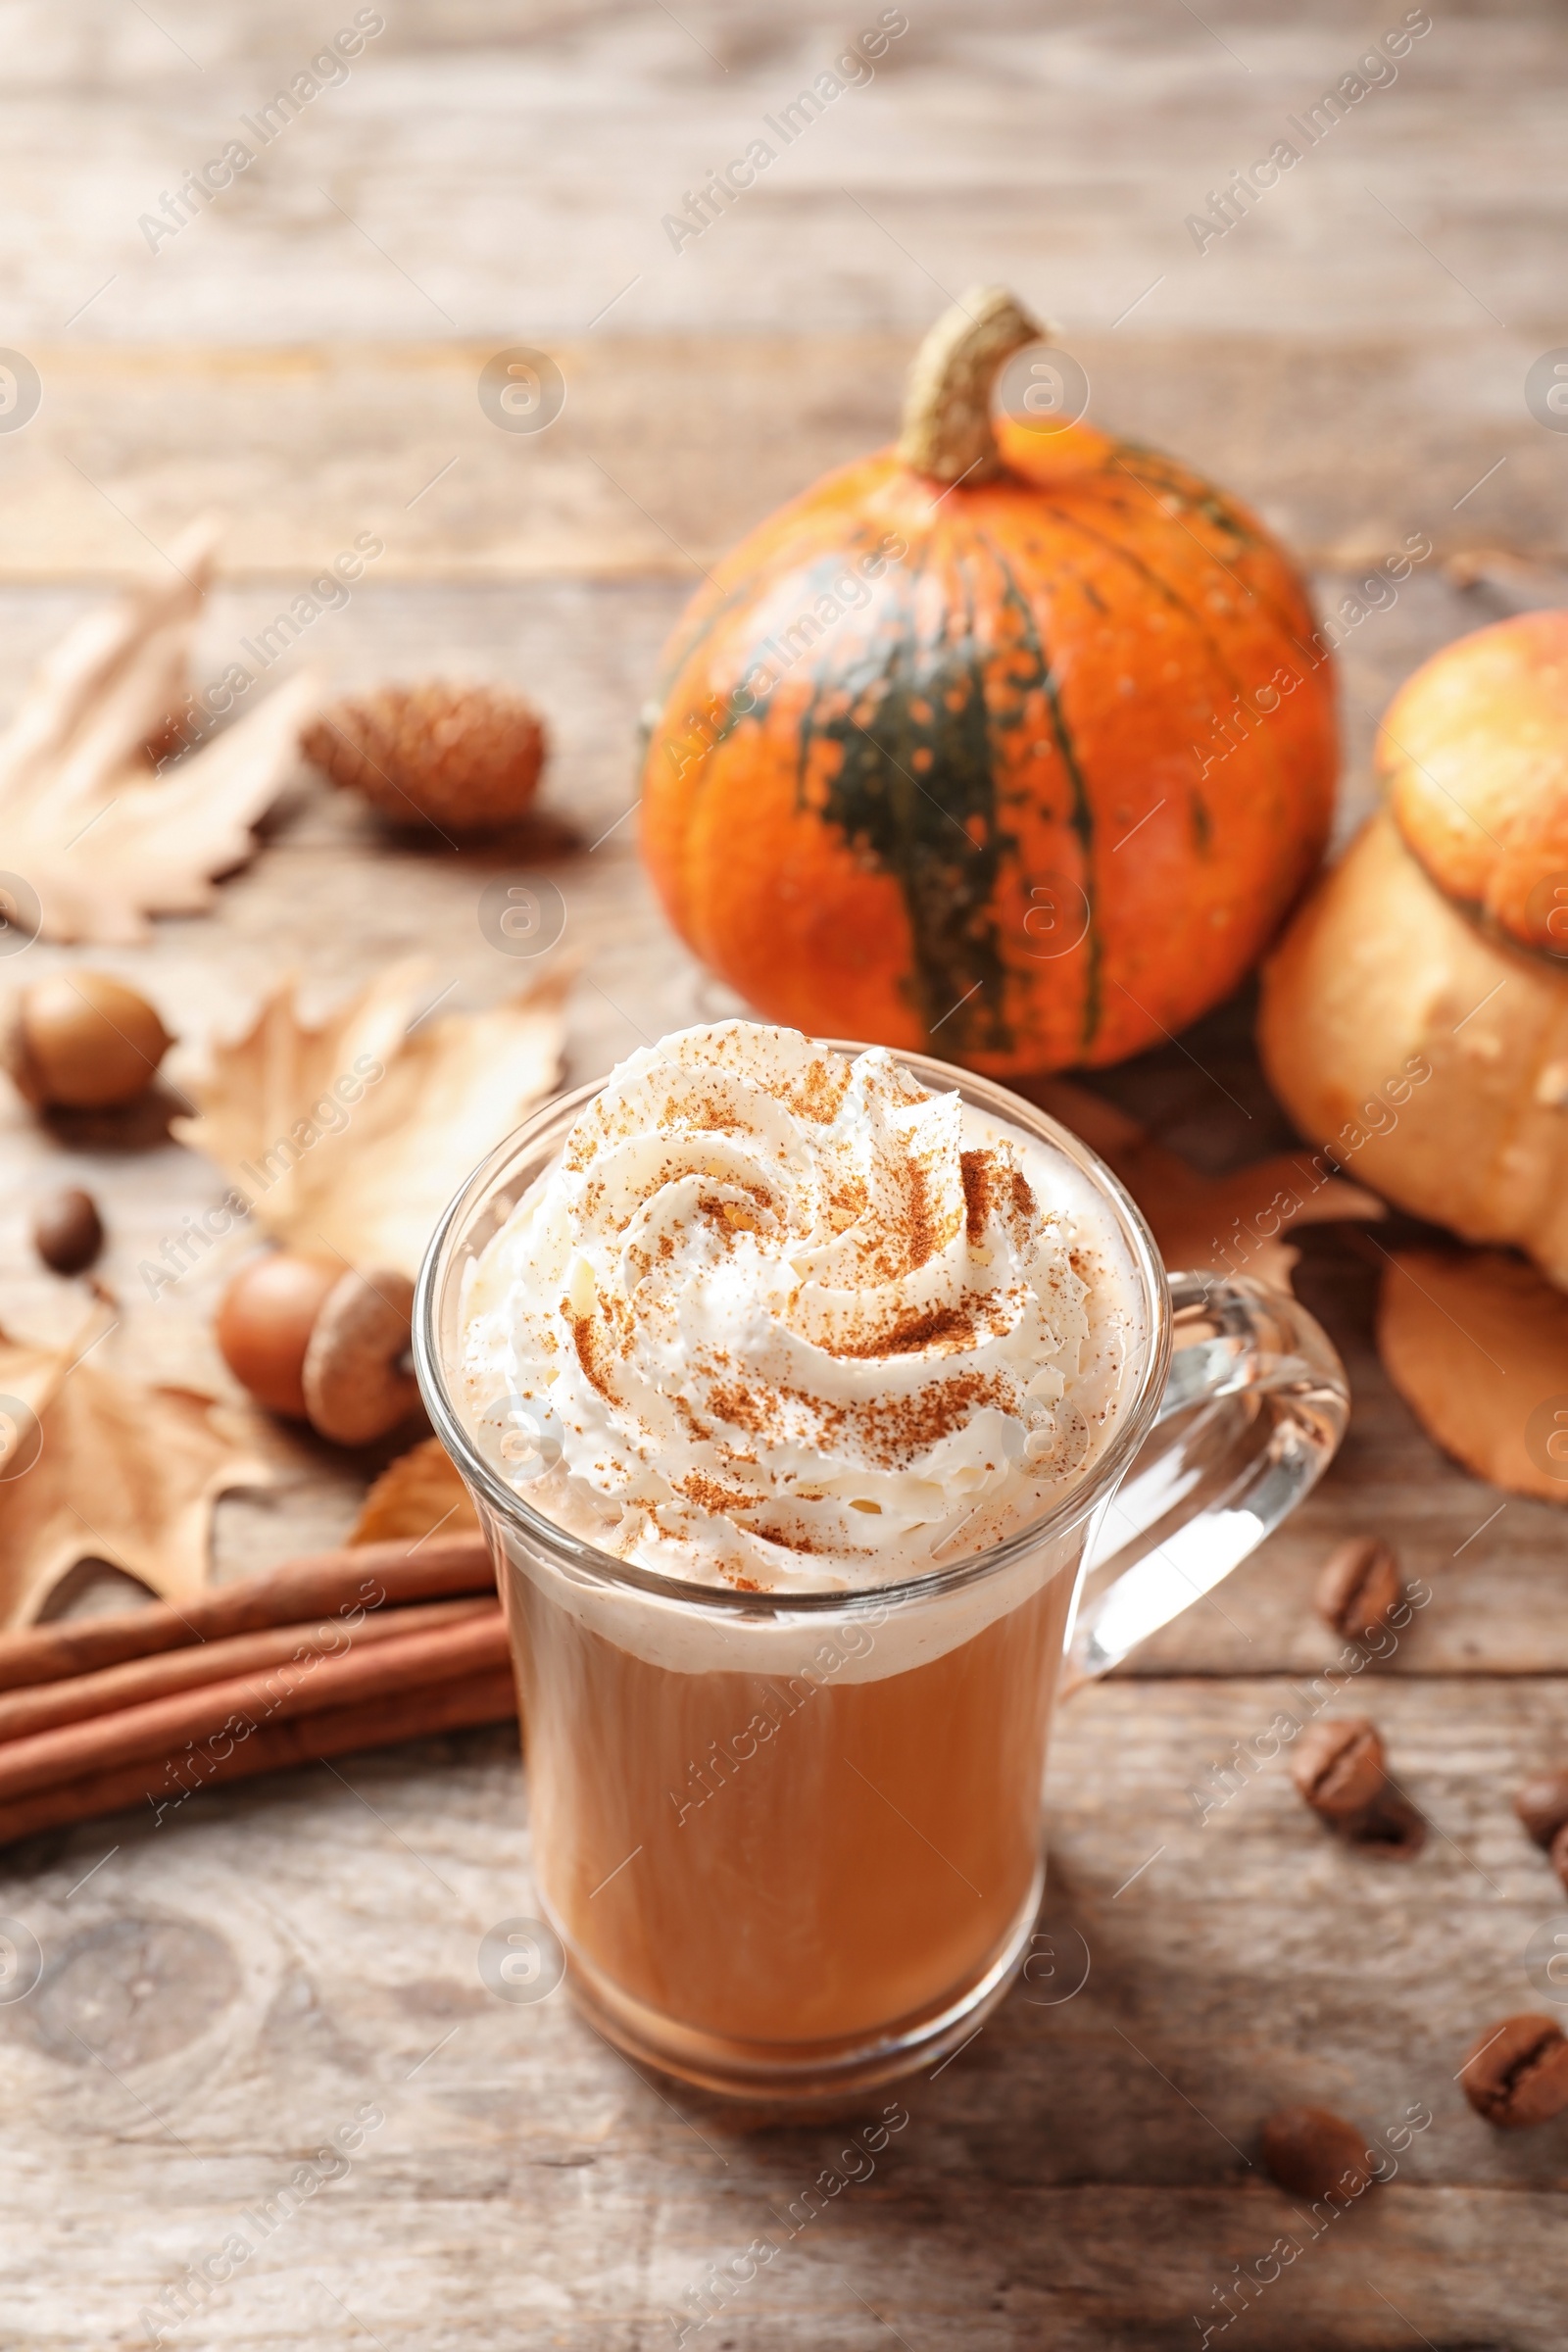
(222, 1996)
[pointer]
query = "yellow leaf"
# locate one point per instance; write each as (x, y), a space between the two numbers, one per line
(86, 824)
(354, 1135)
(414, 1495)
(95, 1466)
(1477, 1344)
(1235, 1224)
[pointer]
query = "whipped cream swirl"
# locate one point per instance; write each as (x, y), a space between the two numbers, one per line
(781, 1320)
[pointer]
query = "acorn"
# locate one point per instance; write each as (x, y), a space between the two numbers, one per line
(317, 1343)
(81, 1041)
(460, 758)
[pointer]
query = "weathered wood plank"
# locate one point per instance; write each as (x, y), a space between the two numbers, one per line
(256, 1971)
(670, 447)
(1351, 357)
(515, 166)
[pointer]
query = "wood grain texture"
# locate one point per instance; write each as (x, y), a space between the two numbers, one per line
(488, 167)
(670, 447)
(224, 1994)
(222, 1997)
(276, 1957)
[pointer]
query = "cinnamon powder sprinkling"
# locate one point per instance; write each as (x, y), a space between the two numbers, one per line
(585, 1338)
(847, 1202)
(977, 1169)
(819, 1094)
(889, 1430)
(711, 1496)
(994, 1183)
(920, 1232)
(912, 1232)
(953, 1325)
(730, 1407)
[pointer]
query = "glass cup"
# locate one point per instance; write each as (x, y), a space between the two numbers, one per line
(792, 1844)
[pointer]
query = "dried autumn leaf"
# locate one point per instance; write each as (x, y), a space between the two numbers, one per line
(1477, 1344)
(95, 1466)
(414, 1495)
(100, 839)
(354, 1135)
(1227, 1224)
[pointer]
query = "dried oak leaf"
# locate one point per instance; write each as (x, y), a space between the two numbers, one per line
(369, 1176)
(85, 823)
(1229, 1224)
(96, 1466)
(1477, 1344)
(414, 1495)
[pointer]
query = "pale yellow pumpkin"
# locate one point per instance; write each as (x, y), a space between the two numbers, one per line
(1430, 1058)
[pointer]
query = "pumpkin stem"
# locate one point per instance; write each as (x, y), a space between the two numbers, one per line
(947, 403)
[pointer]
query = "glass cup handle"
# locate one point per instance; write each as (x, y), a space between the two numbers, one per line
(1255, 1406)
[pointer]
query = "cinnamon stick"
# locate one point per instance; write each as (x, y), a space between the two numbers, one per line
(41, 1706)
(367, 1575)
(446, 1707)
(228, 1713)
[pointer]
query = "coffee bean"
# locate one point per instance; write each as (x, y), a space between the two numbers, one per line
(1338, 1766)
(1558, 1850)
(1390, 1830)
(1541, 1804)
(1340, 1770)
(1358, 1586)
(1315, 2155)
(1517, 2073)
(68, 1232)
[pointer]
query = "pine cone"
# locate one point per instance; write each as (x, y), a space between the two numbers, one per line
(464, 759)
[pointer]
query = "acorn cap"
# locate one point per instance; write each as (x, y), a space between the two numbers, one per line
(464, 758)
(356, 1377)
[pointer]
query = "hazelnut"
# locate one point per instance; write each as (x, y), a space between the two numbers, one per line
(81, 1041)
(264, 1322)
(317, 1344)
(68, 1232)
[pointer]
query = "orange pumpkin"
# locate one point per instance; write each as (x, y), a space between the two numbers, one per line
(1012, 743)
